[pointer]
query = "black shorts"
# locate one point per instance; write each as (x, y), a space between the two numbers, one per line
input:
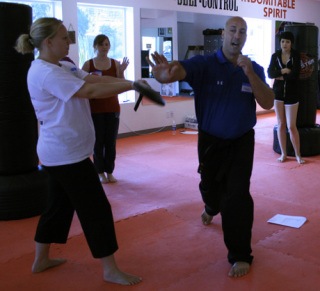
(287, 100)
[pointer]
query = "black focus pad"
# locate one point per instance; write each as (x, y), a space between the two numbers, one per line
(146, 91)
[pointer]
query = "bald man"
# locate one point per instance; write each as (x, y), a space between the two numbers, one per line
(226, 87)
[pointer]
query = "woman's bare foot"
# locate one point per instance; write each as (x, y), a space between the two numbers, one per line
(42, 261)
(300, 160)
(103, 178)
(239, 269)
(119, 277)
(42, 265)
(282, 158)
(206, 218)
(111, 273)
(111, 178)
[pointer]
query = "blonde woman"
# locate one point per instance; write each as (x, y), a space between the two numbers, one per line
(227, 85)
(59, 92)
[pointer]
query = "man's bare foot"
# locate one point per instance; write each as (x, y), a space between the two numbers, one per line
(300, 160)
(40, 266)
(282, 159)
(111, 273)
(119, 277)
(206, 218)
(239, 269)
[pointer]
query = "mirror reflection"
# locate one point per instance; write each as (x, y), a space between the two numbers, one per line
(155, 39)
(181, 35)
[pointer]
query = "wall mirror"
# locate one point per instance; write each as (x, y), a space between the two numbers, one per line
(155, 39)
(185, 30)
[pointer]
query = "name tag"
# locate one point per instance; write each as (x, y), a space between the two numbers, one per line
(246, 88)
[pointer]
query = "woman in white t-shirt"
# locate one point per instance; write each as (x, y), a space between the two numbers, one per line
(59, 92)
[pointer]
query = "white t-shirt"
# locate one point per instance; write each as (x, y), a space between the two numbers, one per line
(66, 128)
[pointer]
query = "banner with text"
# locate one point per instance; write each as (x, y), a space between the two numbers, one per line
(278, 9)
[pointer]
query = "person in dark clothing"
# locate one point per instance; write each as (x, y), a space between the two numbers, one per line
(284, 68)
(226, 87)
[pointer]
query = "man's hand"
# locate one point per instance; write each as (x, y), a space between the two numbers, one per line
(160, 67)
(163, 71)
(245, 63)
(261, 91)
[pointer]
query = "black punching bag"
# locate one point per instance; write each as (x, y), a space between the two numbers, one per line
(306, 42)
(23, 184)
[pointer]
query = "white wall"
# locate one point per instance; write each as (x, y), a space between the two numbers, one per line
(153, 116)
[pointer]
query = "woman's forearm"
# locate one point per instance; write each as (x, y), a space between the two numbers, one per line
(103, 90)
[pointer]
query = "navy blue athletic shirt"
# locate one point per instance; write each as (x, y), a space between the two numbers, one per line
(224, 103)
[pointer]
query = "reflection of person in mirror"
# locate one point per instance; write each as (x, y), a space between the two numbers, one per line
(226, 87)
(167, 52)
(167, 90)
(105, 112)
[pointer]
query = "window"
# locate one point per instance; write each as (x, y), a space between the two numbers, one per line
(117, 23)
(42, 8)
(257, 46)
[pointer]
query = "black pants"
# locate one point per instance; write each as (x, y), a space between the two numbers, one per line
(76, 187)
(106, 128)
(225, 167)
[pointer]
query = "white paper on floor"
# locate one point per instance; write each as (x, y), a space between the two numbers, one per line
(188, 132)
(288, 220)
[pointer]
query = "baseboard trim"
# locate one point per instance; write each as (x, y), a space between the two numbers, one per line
(167, 128)
(147, 131)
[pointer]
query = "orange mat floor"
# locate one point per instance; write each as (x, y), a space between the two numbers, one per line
(157, 207)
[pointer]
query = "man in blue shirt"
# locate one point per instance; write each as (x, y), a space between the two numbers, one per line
(226, 87)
